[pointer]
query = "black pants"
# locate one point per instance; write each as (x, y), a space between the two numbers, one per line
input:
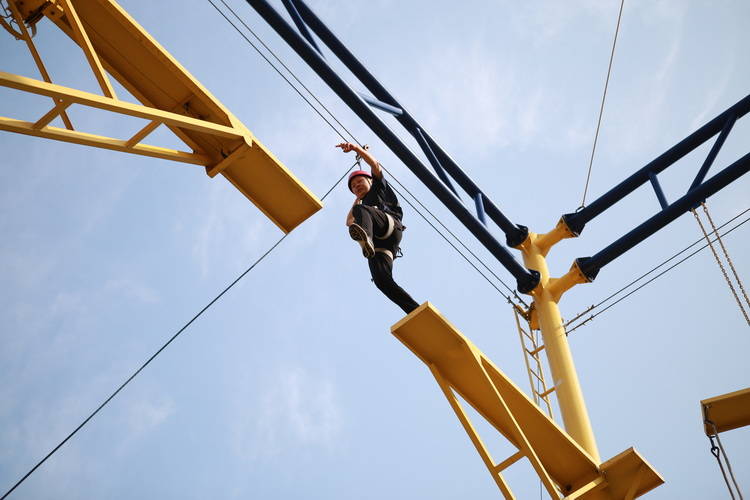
(375, 222)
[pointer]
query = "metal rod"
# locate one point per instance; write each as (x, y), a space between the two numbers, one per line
(526, 280)
(419, 136)
(590, 266)
(480, 208)
(714, 151)
(301, 26)
(657, 189)
(375, 103)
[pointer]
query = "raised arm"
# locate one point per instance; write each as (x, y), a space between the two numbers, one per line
(375, 168)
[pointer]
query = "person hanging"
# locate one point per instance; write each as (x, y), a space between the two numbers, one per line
(374, 222)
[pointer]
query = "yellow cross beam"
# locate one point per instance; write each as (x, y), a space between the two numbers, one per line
(115, 44)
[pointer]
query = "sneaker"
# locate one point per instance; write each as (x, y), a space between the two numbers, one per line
(359, 235)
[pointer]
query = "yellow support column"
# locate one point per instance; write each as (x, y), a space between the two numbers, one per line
(565, 379)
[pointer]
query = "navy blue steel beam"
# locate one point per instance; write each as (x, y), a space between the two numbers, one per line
(714, 151)
(590, 266)
(430, 154)
(380, 104)
(301, 26)
(515, 234)
(576, 221)
(480, 208)
(526, 280)
(657, 189)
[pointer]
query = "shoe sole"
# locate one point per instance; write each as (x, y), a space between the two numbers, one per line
(360, 236)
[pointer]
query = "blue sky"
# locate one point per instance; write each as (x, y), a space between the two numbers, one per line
(291, 386)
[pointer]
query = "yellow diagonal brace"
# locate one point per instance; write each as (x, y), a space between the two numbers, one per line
(61, 134)
(96, 101)
(35, 55)
(475, 439)
(509, 461)
(590, 487)
(521, 439)
(50, 115)
(630, 495)
(83, 40)
(143, 133)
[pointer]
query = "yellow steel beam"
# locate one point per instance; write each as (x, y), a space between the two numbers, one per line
(588, 489)
(560, 232)
(50, 115)
(474, 436)
(171, 96)
(143, 133)
(508, 461)
(520, 435)
(726, 412)
(108, 104)
(83, 40)
(568, 388)
(629, 475)
(461, 367)
(61, 134)
(35, 55)
(437, 342)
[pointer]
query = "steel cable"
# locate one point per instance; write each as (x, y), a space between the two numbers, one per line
(601, 108)
(569, 331)
(153, 356)
(354, 139)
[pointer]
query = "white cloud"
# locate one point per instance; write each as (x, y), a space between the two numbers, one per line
(224, 222)
(299, 410)
(142, 416)
(133, 290)
(468, 86)
(712, 99)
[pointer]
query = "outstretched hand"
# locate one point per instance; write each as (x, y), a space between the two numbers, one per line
(347, 147)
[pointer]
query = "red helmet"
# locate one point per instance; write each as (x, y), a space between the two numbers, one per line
(357, 173)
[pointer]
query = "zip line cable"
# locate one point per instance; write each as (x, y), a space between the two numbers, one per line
(260, 40)
(456, 248)
(277, 70)
(601, 109)
(354, 139)
(651, 271)
(153, 356)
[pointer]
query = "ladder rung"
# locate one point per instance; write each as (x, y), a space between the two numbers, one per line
(547, 392)
(536, 351)
(508, 462)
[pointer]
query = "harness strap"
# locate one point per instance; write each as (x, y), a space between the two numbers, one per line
(385, 251)
(389, 229)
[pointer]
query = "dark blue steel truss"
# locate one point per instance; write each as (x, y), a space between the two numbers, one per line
(698, 191)
(526, 280)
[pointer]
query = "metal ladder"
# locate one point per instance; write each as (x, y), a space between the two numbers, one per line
(532, 346)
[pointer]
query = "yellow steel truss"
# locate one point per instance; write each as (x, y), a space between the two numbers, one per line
(113, 43)
(566, 469)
